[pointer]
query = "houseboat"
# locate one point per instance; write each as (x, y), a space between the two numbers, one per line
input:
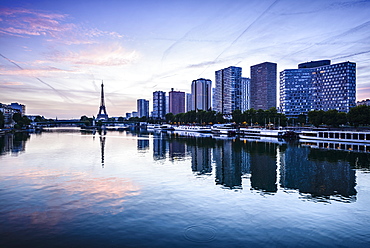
(224, 129)
(199, 129)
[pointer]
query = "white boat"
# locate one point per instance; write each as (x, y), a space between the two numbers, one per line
(166, 127)
(337, 136)
(224, 129)
(152, 127)
(199, 129)
(262, 132)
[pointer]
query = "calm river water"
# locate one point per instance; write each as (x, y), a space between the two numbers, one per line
(124, 189)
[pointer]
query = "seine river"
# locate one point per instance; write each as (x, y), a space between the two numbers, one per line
(124, 189)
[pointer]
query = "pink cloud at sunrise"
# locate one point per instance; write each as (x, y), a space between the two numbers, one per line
(62, 50)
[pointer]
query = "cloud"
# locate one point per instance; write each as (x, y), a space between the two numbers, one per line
(107, 55)
(28, 23)
(11, 83)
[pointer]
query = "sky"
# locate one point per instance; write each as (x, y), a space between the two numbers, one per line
(54, 55)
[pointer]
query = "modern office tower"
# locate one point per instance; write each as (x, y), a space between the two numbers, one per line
(142, 108)
(189, 106)
(128, 115)
(317, 85)
(167, 104)
(263, 86)
(201, 90)
(134, 114)
(245, 94)
(295, 92)
(176, 102)
(227, 95)
(159, 104)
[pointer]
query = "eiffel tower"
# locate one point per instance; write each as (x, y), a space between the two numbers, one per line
(102, 115)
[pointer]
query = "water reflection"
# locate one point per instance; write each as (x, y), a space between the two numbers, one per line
(13, 143)
(102, 148)
(159, 146)
(268, 167)
(263, 166)
(316, 174)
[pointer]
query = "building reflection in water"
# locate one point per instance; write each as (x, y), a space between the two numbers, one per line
(319, 173)
(159, 146)
(200, 150)
(13, 143)
(143, 144)
(176, 149)
(228, 161)
(263, 166)
(312, 172)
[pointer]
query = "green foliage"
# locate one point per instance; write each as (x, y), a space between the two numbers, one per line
(169, 117)
(120, 119)
(86, 120)
(316, 117)
(359, 115)
(331, 118)
(39, 119)
(22, 121)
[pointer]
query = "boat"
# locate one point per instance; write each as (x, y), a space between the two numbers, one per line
(224, 129)
(277, 133)
(199, 129)
(337, 136)
(152, 127)
(166, 127)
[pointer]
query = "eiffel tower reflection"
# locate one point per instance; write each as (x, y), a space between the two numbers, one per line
(102, 134)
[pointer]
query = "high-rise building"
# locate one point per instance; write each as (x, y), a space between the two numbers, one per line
(142, 108)
(263, 86)
(176, 102)
(245, 94)
(159, 104)
(318, 85)
(201, 90)
(227, 95)
(189, 105)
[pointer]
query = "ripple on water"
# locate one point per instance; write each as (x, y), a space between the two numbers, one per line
(200, 233)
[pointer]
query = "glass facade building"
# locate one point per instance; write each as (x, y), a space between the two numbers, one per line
(159, 104)
(263, 86)
(201, 97)
(318, 88)
(245, 94)
(227, 94)
(142, 108)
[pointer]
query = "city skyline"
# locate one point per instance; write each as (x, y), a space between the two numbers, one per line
(55, 54)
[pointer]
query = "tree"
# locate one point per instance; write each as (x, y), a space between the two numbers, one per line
(39, 119)
(169, 117)
(359, 115)
(237, 116)
(86, 120)
(120, 119)
(22, 121)
(220, 118)
(316, 117)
